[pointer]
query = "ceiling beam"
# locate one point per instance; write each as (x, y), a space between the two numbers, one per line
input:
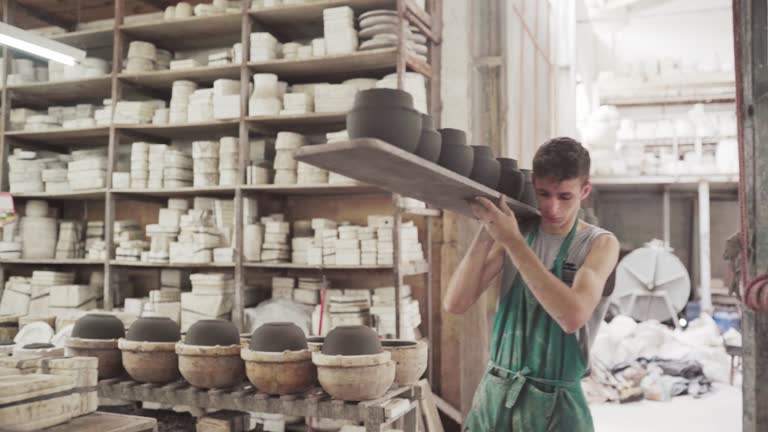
(46, 17)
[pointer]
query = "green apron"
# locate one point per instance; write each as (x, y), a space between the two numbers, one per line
(532, 383)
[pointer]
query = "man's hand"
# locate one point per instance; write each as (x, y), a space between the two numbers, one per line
(499, 222)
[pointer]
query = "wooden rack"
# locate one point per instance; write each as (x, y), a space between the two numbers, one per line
(314, 403)
(287, 22)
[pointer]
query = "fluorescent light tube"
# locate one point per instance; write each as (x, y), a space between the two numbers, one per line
(40, 46)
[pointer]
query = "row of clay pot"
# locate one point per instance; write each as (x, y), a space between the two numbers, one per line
(350, 364)
(388, 115)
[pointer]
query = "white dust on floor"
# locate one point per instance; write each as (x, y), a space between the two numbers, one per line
(719, 411)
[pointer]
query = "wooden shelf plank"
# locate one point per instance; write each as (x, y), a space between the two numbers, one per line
(87, 39)
(316, 189)
(171, 192)
(107, 422)
(170, 265)
(64, 137)
(297, 21)
(52, 261)
(189, 33)
(90, 194)
(67, 91)
(293, 266)
(428, 212)
(335, 67)
(211, 129)
(302, 123)
(388, 167)
(163, 79)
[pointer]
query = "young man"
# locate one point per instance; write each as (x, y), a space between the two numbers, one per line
(553, 280)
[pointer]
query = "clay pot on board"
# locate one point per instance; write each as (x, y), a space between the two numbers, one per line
(212, 332)
(385, 114)
(149, 350)
(430, 140)
(278, 337)
(278, 360)
(352, 340)
(511, 180)
(455, 154)
(528, 195)
(209, 357)
(485, 169)
(357, 377)
(410, 358)
(96, 335)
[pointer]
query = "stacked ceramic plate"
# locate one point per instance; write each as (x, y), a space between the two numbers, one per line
(339, 30)
(378, 29)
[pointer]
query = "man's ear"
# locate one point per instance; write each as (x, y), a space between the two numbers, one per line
(586, 190)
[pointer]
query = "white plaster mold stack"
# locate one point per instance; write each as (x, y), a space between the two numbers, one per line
(339, 30)
(205, 163)
(129, 238)
(379, 29)
(88, 170)
(275, 247)
(286, 146)
(226, 99)
(229, 161)
(70, 242)
(267, 95)
(212, 297)
(177, 169)
(39, 231)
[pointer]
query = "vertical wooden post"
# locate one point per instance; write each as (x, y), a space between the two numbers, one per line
(6, 101)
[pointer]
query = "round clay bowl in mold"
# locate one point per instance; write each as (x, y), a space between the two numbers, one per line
(278, 337)
(212, 332)
(528, 195)
(383, 98)
(150, 362)
(410, 357)
(511, 180)
(455, 154)
(429, 141)
(280, 373)
(154, 329)
(355, 378)
(485, 169)
(351, 340)
(99, 326)
(210, 367)
(107, 351)
(400, 127)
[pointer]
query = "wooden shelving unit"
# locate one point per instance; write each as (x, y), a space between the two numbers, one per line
(287, 22)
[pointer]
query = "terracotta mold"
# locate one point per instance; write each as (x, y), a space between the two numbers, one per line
(209, 357)
(149, 350)
(280, 373)
(430, 140)
(455, 154)
(485, 169)
(410, 357)
(351, 340)
(96, 335)
(107, 351)
(511, 180)
(355, 378)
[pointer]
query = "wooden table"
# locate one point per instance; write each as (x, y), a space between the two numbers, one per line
(107, 422)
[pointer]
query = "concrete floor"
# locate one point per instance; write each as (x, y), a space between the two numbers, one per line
(718, 411)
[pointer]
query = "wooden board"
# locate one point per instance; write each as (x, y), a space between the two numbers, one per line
(87, 39)
(313, 189)
(53, 261)
(225, 191)
(64, 137)
(170, 265)
(429, 409)
(90, 194)
(211, 129)
(388, 167)
(163, 80)
(301, 123)
(189, 33)
(66, 92)
(332, 67)
(107, 422)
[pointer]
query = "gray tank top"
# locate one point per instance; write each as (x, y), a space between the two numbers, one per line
(546, 246)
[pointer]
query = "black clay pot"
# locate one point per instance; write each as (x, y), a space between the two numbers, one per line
(212, 332)
(383, 97)
(278, 337)
(352, 340)
(400, 127)
(430, 140)
(511, 180)
(98, 326)
(154, 329)
(38, 346)
(528, 195)
(455, 154)
(485, 169)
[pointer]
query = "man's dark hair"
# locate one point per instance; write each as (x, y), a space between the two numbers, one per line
(562, 158)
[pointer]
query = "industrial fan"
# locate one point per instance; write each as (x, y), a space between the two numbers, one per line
(651, 284)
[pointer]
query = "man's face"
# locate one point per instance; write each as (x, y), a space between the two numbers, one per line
(560, 201)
